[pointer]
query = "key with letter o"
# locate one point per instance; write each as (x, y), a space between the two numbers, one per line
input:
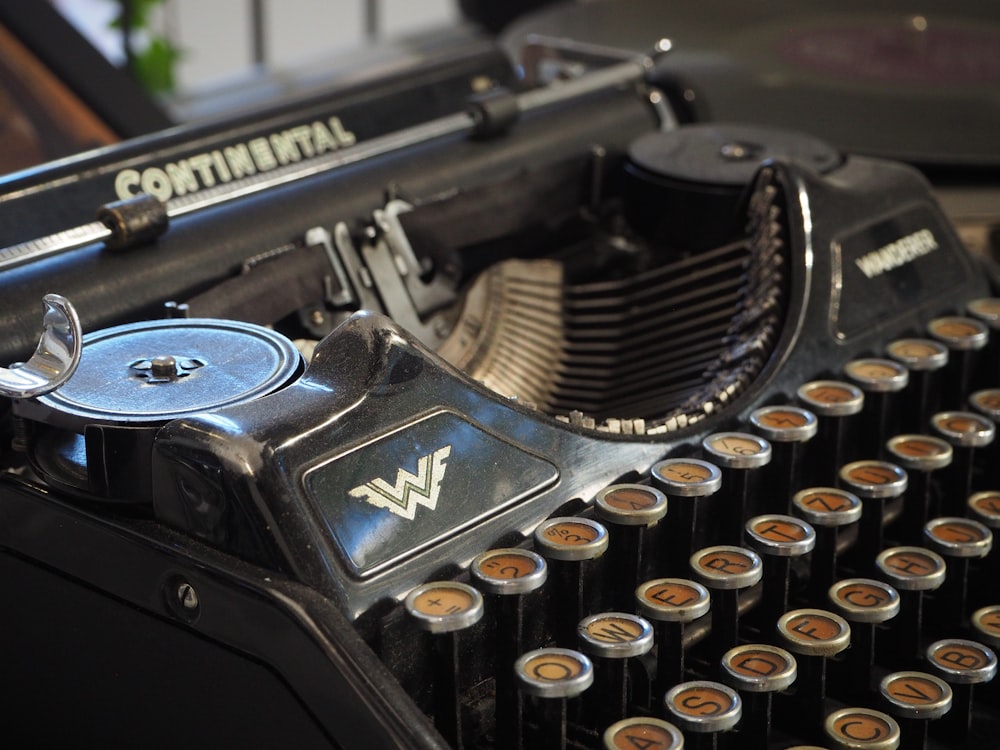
(551, 676)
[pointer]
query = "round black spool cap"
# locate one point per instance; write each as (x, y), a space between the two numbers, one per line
(684, 187)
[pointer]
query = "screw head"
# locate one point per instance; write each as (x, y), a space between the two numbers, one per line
(187, 597)
(182, 598)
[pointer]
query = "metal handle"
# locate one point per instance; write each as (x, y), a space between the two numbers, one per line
(55, 358)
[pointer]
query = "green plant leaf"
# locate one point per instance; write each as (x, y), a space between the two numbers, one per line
(141, 10)
(154, 66)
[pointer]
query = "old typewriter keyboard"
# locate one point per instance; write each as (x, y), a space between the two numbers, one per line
(823, 575)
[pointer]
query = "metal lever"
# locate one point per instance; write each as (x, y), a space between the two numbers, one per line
(55, 358)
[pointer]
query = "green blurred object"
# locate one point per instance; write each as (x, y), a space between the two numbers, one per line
(153, 66)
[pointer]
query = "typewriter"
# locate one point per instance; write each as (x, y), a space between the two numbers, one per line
(534, 416)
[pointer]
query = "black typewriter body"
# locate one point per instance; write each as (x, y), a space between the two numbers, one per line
(211, 535)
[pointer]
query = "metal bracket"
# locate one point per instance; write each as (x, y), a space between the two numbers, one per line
(546, 60)
(320, 236)
(56, 356)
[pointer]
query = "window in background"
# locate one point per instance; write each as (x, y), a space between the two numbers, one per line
(233, 43)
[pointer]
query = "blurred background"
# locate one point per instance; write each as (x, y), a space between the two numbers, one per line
(80, 74)
(202, 57)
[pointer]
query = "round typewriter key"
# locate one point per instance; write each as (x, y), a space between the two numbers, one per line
(780, 535)
(672, 600)
(813, 634)
(958, 537)
(874, 482)
(788, 428)
(864, 603)
(826, 509)
(509, 571)
(737, 450)
(963, 665)
(959, 333)
(833, 402)
(962, 662)
(874, 375)
(611, 638)
(880, 379)
(758, 668)
(832, 398)
(919, 452)
(508, 574)
(671, 603)
(985, 508)
(726, 570)
(643, 733)
(968, 434)
(629, 509)
(986, 624)
(778, 538)
(916, 695)
(570, 544)
(964, 429)
(552, 675)
(687, 477)
(704, 708)
(739, 454)
(571, 539)
(784, 424)
(920, 455)
(631, 504)
(874, 479)
(911, 568)
(758, 671)
(863, 600)
(987, 311)
(964, 337)
(862, 729)
(911, 571)
(615, 635)
(684, 481)
(987, 403)
(445, 608)
(915, 698)
(925, 359)
(918, 354)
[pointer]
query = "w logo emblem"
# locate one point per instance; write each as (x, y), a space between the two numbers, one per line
(421, 488)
